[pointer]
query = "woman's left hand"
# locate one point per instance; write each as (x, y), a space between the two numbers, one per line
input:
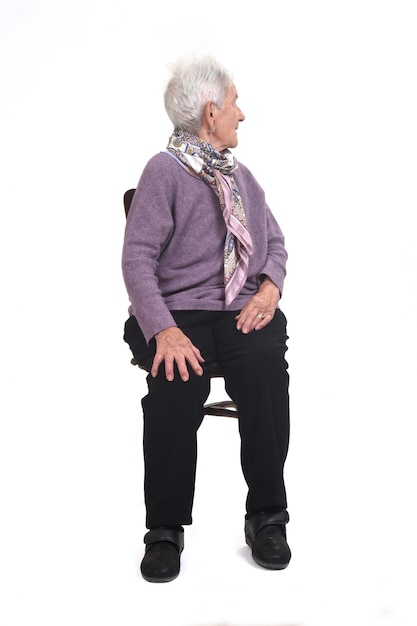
(260, 309)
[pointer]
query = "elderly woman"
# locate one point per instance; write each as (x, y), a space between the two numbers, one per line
(204, 265)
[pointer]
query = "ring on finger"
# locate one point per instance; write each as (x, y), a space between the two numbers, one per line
(260, 316)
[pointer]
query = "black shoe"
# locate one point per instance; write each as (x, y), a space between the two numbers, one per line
(161, 562)
(265, 533)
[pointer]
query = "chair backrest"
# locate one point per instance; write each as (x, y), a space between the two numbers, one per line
(127, 199)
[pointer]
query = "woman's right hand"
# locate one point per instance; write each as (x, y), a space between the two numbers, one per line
(174, 347)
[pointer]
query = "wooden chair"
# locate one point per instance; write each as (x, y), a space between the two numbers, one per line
(222, 408)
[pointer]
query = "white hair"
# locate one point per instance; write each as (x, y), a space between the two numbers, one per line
(193, 83)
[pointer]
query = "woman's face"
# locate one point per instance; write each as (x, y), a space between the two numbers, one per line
(226, 121)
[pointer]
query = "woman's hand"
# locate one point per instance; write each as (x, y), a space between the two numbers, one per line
(173, 347)
(260, 309)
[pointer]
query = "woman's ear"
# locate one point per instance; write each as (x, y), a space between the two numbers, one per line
(209, 116)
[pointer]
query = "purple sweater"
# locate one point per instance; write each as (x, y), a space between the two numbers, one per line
(173, 247)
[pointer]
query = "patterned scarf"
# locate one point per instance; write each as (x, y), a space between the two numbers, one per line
(216, 169)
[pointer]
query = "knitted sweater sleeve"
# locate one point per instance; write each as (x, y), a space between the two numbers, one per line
(149, 225)
(276, 260)
(268, 238)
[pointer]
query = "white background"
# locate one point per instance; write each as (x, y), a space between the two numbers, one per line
(329, 93)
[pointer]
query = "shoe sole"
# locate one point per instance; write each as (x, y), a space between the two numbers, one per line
(269, 565)
(160, 580)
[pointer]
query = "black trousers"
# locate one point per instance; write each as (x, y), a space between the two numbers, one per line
(256, 378)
